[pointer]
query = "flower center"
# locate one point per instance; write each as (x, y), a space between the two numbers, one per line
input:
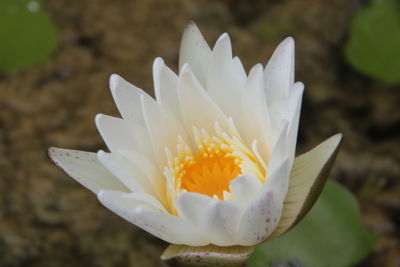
(210, 173)
(218, 160)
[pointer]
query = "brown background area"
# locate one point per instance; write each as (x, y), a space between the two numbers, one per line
(47, 219)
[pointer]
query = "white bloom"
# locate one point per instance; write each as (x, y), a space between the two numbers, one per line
(210, 160)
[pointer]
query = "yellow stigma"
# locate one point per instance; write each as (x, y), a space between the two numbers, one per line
(209, 174)
(218, 160)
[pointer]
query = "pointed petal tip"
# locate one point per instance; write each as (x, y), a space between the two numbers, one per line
(97, 119)
(257, 69)
(191, 25)
(334, 140)
(114, 81)
(52, 153)
(100, 152)
(221, 39)
(190, 31)
(339, 135)
(157, 62)
(288, 42)
(289, 39)
(297, 89)
(195, 50)
(285, 47)
(185, 69)
(100, 195)
(223, 36)
(158, 65)
(103, 157)
(299, 84)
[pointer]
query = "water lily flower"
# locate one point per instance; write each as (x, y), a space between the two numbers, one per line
(210, 160)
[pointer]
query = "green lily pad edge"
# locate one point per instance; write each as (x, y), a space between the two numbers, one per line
(332, 234)
(28, 35)
(373, 47)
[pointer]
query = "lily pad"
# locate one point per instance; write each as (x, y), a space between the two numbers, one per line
(332, 234)
(374, 44)
(27, 34)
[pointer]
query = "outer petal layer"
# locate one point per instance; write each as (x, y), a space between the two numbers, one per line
(170, 228)
(262, 216)
(307, 178)
(85, 168)
(245, 188)
(217, 220)
(130, 176)
(221, 220)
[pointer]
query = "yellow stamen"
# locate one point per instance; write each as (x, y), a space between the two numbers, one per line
(209, 174)
(219, 160)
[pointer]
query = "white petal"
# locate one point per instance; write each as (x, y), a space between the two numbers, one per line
(288, 109)
(163, 129)
(121, 134)
(278, 180)
(255, 123)
(309, 171)
(262, 216)
(197, 108)
(217, 220)
(170, 228)
(226, 78)
(127, 98)
(128, 174)
(149, 170)
(85, 169)
(280, 148)
(191, 206)
(279, 72)
(238, 70)
(117, 202)
(195, 51)
(220, 221)
(245, 189)
(166, 87)
(295, 101)
(148, 200)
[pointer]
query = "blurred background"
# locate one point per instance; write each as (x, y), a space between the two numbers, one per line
(55, 61)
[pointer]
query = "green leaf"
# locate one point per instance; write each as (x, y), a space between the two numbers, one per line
(374, 44)
(330, 235)
(27, 35)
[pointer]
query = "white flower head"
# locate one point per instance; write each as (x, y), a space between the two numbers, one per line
(211, 159)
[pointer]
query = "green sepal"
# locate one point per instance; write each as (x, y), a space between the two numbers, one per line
(185, 256)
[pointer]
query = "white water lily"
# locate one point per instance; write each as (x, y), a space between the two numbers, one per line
(211, 160)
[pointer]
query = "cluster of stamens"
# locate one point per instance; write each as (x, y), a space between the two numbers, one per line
(218, 160)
